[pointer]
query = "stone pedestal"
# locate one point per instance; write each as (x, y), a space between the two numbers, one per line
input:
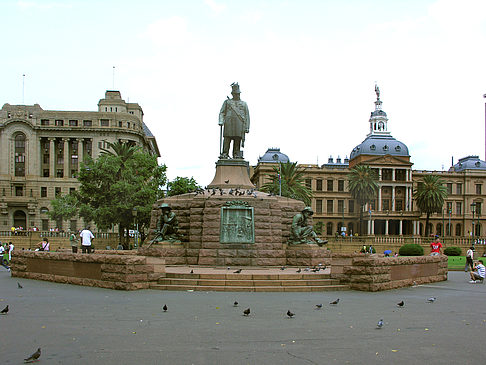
(232, 173)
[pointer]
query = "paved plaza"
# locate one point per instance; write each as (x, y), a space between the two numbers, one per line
(84, 325)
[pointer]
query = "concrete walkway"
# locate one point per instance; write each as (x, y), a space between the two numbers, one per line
(84, 325)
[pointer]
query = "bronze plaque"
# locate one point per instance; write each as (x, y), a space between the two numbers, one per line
(237, 224)
(400, 272)
(88, 270)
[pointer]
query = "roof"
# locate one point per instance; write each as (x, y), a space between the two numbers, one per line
(380, 145)
(469, 163)
(274, 155)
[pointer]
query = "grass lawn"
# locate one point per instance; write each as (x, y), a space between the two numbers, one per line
(456, 262)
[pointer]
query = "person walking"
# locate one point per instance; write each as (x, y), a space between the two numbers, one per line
(86, 238)
(470, 259)
(74, 242)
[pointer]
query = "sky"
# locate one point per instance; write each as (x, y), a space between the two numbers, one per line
(306, 68)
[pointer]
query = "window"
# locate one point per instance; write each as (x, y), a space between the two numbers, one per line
(330, 185)
(319, 184)
(340, 206)
(87, 123)
(45, 173)
(105, 122)
(60, 173)
(59, 122)
(449, 188)
(45, 225)
(458, 229)
(329, 228)
(73, 123)
(458, 208)
(44, 210)
(19, 190)
(478, 189)
(400, 174)
(120, 124)
(340, 185)
(89, 147)
(386, 204)
(459, 189)
(330, 206)
(386, 174)
(44, 121)
(20, 154)
(128, 124)
(351, 206)
(58, 191)
(308, 183)
(45, 159)
(319, 206)
(398, 205)
(449, 206)
(43, 192)
(478, 208)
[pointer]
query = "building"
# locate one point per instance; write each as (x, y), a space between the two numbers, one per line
(393, 213)
(42, 152)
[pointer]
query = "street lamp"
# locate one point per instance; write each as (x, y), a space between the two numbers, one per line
(343, 229)
(135, 235)
(449, 229)
(473, 210)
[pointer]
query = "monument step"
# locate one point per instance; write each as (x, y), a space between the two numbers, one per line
(251, 288)
(295, 276)
(255, 282)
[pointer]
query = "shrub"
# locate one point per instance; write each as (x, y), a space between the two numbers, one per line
(411, 249)
(453, 251)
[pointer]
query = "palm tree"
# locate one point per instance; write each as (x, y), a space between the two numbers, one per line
(291, 179)
(363, 186)
(123, 150)
(429, 195)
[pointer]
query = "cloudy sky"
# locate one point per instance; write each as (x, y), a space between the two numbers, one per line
(306, 68)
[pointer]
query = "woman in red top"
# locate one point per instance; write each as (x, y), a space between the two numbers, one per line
(435, 247)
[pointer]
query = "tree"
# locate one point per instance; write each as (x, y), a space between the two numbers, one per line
(182, 185)
(429, 195)
(113, 186)
(292, 182)
(363, 186)
(64, 207)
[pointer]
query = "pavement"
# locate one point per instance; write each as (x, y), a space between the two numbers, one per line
(85, 325)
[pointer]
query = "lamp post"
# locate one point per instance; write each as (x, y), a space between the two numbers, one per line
(343, 229)
(449, 227)
(135, 225)
(442, 222)
(473, 209)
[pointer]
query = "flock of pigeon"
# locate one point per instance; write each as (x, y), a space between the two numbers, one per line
(36, 355)
(231, 191)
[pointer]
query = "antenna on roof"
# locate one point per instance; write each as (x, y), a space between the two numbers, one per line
(113, 87)
(23, 88)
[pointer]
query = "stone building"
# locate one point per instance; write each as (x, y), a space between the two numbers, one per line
(42, 151)
(393, 212)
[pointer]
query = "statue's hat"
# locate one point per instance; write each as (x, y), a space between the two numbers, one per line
(235, 88)
(164, 205)
(308, 209)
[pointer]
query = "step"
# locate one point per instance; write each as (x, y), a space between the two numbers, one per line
(251, 288)
(247, 276)
(256, 283)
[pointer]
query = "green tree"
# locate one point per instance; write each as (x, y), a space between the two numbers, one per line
(64, 207)
(113, 186)
(363, 186)
(182, 185)
(429, 195)
(292, 181)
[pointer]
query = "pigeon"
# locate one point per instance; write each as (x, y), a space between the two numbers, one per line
(4, 310)
(165, 307)
(254, 195)
(299, 270)
(379, 324)
(34, 357)
(335, 302)
(401, 304)
(237, 271)
(226, 181)
(228, 268)
(431, 299)
(235, 304)
(318, 306)
(192, 271)
(282, 268)
(290, 314)
(19, 286)
(306, 269)
(246, 312)
(230, 192)
(214, 192)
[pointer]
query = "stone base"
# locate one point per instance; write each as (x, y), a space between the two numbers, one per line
(232, 174)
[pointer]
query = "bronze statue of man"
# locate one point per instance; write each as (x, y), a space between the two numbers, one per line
(302, 231)
(167, 225)
(235, 121)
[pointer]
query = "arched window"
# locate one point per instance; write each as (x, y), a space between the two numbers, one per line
(438, 230)
(329, 229)
(20, 154)
(350, 228)
(458, 229)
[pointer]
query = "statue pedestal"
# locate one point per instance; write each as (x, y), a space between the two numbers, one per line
(232, 174)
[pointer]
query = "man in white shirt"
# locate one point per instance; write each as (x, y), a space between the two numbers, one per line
(469, 259)
(86, 238)
(479, 274)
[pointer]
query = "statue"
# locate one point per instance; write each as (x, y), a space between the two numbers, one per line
(235, 119)
(302, 231)
(377, 92)
(167, 226)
